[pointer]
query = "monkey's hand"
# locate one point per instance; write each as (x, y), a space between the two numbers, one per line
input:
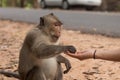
(61, 59)
(68, 66)
(71, 49)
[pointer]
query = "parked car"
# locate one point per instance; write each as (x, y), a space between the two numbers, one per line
(65, 4)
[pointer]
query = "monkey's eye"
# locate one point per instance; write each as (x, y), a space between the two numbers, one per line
(57, 24)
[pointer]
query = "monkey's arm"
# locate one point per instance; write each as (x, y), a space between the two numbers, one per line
(40, 47)
(62, 59)
(45, 51)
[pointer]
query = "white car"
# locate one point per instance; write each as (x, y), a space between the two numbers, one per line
(65, 4)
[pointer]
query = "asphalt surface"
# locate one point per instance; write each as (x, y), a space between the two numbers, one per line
(92, 22)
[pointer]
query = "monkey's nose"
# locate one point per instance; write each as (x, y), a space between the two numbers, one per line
(58, 34)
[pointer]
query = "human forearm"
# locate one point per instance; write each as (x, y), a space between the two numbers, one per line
(112, 55)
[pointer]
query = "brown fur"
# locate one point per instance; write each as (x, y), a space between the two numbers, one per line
(40, 55)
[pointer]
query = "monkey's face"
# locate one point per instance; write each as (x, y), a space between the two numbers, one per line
(52, 26)
(55, 30)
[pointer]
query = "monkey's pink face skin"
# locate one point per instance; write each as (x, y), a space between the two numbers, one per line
(57, 27)
(56, 30)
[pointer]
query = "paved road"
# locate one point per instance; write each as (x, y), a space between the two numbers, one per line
(104, 23)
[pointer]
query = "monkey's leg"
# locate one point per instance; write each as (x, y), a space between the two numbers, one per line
(61, 59)
(59, 74)
(35, 74)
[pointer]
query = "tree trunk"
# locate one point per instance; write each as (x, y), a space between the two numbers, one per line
(0, 3)
(22, 3)
(35, 5)
(104, 5)
(12, 3)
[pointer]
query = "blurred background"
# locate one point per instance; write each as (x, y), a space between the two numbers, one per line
(80, 18)
(106, 5)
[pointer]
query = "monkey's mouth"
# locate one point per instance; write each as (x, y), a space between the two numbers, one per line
(55, 37)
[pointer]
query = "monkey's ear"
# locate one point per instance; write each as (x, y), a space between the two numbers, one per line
(51, 14)
(41, 21)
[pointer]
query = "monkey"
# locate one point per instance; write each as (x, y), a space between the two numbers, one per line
(40, 57)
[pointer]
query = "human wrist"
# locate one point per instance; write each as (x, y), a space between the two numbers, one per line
(90, 54)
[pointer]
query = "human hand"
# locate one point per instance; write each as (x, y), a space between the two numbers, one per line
(82, 55)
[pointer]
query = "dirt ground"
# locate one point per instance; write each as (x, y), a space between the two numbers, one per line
(12, 35)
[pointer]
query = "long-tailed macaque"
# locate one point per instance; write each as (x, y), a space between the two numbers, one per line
(40, 57)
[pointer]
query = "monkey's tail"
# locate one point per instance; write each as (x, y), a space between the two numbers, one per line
(10, 74)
